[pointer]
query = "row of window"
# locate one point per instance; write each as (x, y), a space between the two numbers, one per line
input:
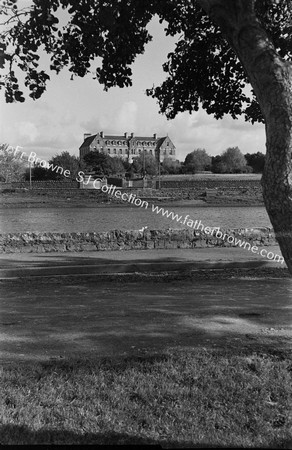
(133, 151)
(145, 143)
(148, 144)
(115, 143)
(115, 151)
(120, 151)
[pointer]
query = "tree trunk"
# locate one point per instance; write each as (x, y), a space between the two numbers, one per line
(271, 79)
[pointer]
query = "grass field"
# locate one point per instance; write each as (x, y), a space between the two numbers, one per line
(212, 176)
(180, 398)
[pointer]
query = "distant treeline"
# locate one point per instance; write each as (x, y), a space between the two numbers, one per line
(13, 168)
(230, 161)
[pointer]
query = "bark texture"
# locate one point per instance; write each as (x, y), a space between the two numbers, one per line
(271, 79)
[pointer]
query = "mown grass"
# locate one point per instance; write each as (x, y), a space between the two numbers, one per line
(177, 399)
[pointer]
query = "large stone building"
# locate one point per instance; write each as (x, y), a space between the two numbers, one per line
(128, 146)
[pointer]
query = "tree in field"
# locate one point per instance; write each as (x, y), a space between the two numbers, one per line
(38, 173)
(98, 162)
(256, 161)
(12, 166)
(103, 164)
(67, 162)
(233, 160)
(117, 165)
(145, 164)
(197, 161)
(53, 171)
(217, 166)
(170, 166)
(224, 46)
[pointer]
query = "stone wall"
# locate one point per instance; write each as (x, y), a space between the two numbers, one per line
(49, 184)
(241, 190)
(129, 240)
(201, 183)
(240, 194)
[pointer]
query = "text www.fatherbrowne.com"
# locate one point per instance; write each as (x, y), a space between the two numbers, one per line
(215, 232)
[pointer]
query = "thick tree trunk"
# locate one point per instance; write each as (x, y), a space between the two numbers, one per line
(271, 79)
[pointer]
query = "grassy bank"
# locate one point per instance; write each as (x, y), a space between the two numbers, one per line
(191, 398)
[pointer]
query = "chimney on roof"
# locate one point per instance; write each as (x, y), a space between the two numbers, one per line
(155, 136)
(132, 135)
(101, 134)
(126, 135)
(86, 135)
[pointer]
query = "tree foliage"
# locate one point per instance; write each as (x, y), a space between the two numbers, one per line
(64, 161)
(197, 161)
(145, 164)
(12, 166)
(233, 160)
(117, 165)
(217, 165)
(170, 166)
(39, 173)
(67, 162)
(103, 164)
(256, 161)
(202, 69)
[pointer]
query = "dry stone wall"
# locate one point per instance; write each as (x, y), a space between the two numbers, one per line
(49, 184)
(128, 240)
(245, 190)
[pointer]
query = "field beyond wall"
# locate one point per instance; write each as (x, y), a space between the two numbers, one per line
(233, 190)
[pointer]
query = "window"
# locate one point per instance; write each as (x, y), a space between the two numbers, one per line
(150, 151)
(108, 150)
(139, 150)
(115, 150)
(170, 152)
(124, 142)
(167, 144)
(121, 151)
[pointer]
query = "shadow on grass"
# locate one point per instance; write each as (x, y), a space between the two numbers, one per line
(20, 434)
(61, 318)
(142, 257)
(23, 435)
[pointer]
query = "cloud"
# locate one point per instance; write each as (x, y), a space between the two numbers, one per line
(123, 119)
(92, 125)
(126, 117)
(199, 130)
(27, 131)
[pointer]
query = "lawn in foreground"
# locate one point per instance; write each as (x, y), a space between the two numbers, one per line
(179, 398)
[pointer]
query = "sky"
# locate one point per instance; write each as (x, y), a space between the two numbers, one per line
(58, 120)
